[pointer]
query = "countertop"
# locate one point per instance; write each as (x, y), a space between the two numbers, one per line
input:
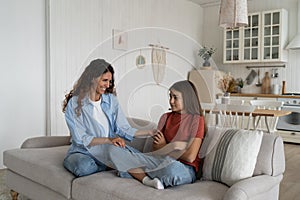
(264, 95)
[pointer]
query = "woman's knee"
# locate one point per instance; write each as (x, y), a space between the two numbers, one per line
(80, 164)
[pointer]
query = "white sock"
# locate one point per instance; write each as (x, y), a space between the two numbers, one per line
(155, 183)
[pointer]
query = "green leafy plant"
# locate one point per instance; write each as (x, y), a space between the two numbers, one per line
(206, 52)
(239, 82)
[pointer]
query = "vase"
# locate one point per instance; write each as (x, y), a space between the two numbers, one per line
(225, 98)
(206, 63)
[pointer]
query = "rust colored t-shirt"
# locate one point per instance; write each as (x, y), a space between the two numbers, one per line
(182, 127)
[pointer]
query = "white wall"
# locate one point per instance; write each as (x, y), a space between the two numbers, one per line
(213, 35)
(22, 77)
(81, 31)
(77, 27)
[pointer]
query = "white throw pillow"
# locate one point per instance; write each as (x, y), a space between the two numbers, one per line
(233, 156)
(211, 138)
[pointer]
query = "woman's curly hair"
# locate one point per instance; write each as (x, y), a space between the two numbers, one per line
(82, 87)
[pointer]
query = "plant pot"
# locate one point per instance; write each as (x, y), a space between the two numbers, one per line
(206, 63)
(226, 98)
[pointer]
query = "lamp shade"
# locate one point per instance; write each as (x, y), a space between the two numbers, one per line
(233, 13)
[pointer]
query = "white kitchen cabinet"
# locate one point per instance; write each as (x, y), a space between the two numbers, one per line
(263, 40)
(289, 136)
(274, 35)
(232, 44)
(251, 45)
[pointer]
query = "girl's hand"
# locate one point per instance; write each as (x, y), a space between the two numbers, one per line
(119, 142)
(159, 138)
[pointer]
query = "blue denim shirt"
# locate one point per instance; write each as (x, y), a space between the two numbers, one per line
(84, 128)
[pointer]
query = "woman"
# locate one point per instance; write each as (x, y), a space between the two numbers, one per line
(94, 117)
(185, 124)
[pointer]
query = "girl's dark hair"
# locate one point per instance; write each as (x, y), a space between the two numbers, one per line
(189, 93)
(190, 96)
(81, 88)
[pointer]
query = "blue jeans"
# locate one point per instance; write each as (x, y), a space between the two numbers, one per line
(176, 173)
(82, 165)
(171, 173)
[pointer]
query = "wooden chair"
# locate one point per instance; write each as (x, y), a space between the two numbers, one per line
(232, 101)
(234, 116)
(207, 106)
(210, 118)
(270, 122)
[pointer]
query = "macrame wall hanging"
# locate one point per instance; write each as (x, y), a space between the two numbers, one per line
(158, 58)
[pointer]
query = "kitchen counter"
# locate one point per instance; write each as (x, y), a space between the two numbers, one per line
(264, 95)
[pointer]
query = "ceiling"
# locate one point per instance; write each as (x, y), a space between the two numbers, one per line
(204, 2)
(207, 2)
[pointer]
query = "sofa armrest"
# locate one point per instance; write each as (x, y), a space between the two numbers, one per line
(250, 187)
(46, 141)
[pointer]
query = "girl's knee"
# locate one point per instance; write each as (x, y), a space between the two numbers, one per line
(175, 180)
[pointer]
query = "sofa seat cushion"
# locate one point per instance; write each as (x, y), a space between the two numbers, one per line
(106, 185)
(42, 165)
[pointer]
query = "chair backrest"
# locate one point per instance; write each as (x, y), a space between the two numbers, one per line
(234, 116)
(270, 105)
(210, 118)
(231, 101)
(207, 106)
(236, 101)
(267, 104)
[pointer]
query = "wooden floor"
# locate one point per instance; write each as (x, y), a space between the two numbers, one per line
(290, 185)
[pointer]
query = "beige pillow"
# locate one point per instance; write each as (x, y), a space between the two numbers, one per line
(233, 157)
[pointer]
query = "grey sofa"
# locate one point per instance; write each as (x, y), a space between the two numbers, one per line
(36, 171)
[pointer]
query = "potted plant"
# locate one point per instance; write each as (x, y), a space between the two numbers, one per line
(205, 53)
(239, 84)
(224, 83)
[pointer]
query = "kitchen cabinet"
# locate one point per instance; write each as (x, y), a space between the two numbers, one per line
(289, 136)
(263, 40)
(251, 38)
(232, 45)
(274, 35)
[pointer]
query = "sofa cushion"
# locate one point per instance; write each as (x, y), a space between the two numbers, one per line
(233, 157)
(106, 185)
(42, 165)
(270, 159)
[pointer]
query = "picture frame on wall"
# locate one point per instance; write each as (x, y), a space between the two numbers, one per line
(119, 39)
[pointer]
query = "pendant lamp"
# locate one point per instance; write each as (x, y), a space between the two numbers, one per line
(233, 13)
